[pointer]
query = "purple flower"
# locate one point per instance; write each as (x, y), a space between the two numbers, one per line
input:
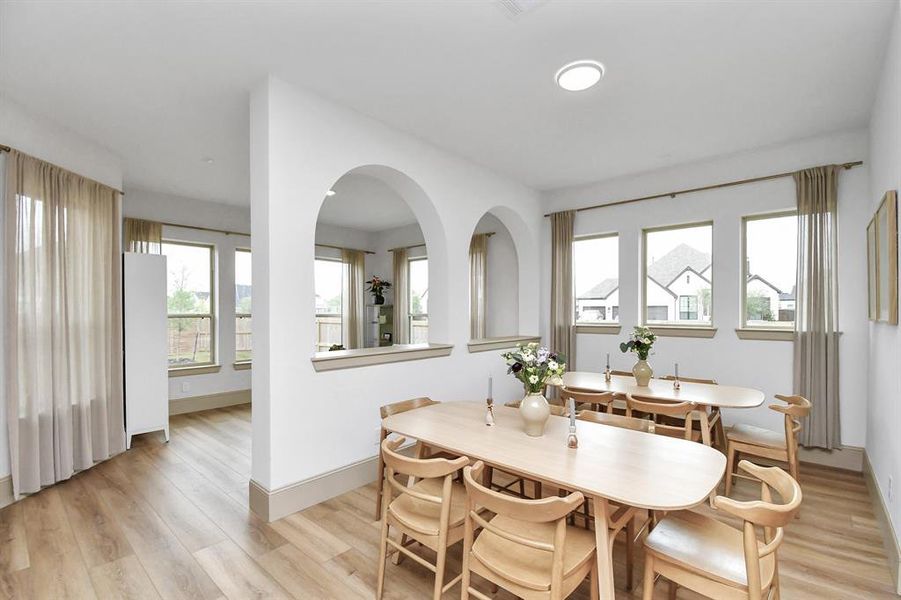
(516, 368)
(542, 354)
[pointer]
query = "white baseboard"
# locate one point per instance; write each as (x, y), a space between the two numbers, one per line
(181, 406)
(849, 458)
(6, 491)
(889, 539)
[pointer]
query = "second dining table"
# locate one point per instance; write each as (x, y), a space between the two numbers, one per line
(611, 464)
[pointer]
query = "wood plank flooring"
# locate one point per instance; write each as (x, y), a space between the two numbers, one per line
(171, 521)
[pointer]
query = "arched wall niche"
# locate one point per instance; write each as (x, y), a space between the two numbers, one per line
(401, 214)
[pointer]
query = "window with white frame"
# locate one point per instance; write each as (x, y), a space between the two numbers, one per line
(596, 279)
(190, 286)
(769, 270)
(329, 282)
(243, 295)
(419, 300)
(678, 275)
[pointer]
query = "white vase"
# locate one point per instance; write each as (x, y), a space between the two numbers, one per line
(642, 372)
(535, 411)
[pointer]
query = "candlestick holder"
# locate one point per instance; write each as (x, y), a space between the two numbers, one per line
(489, 414)
(572, 441)
(607, 375)
(676, 384)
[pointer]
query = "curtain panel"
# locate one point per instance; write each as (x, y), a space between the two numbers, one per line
(143, 237)
(63, 320)
(816, 310)
(562, 338)
(354, 315)
(401, 297)
(478, 278)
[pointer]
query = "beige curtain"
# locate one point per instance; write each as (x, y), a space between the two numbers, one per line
(562, 337)
(144, 237)
(63, 322)
(401, 297)
(354, 280)
(816, 305)
(478, 276)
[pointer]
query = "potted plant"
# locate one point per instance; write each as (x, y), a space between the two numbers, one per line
(640, 342)
(377, 288)
(536, 367)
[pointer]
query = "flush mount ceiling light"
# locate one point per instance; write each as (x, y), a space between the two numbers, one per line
(330, 193)
(579, 75)
(207, 160)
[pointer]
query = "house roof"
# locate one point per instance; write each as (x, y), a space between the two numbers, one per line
(668, 267)
(601, 290)
(782, 295)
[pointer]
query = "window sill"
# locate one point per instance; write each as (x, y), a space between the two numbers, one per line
(754, 333)
(365, 357)
(194, 370)
(500, 343)
(600, 328)
(682, 331)
(242, 365)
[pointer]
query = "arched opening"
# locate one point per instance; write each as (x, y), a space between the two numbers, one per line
(373, 270)
(493, 280)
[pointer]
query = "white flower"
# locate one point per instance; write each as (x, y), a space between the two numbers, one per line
(533, 379)
(528, 357)
(552, 365)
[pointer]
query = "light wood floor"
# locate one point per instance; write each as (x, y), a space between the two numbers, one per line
(171, 521)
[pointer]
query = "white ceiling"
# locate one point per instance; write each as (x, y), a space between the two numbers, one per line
(365, 203)
(164, 84)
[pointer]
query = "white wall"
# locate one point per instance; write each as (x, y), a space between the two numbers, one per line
(766, 365)
(301, 144)
(502, 279)
(143, 204)
(49, 141)
(884, 414)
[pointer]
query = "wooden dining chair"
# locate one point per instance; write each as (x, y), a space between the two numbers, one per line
(386, 411)
(587, 399)
(633, 423)
(717, 560)
(714, 416)
(527, 548)
(773, 445)
(430, 512)
(679, 412)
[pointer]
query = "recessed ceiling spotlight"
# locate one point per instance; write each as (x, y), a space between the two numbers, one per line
(330, 193)
(580, 75)
(207, 160)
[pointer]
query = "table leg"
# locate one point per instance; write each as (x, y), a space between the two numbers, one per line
(604, 549)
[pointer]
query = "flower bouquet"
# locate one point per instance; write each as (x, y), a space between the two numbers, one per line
(640, 342)
(377, 288)
(535, 367)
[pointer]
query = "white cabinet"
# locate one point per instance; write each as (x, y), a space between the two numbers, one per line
(146, 369)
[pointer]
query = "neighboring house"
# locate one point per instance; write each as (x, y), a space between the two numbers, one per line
(766, 302)
(678, 286)
(600, 304)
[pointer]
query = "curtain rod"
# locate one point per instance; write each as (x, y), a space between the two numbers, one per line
(343, 248)
(489, 234)
(4, 148)
(210, 229)
(846, 166)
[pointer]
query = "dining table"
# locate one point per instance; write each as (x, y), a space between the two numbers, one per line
(610, 464)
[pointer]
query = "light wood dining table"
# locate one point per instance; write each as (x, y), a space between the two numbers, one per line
(611, 464)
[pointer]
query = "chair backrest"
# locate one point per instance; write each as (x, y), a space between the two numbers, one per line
(645, 425)
(403, 406)
(690, 379)
(546, 510)
(587, 397)
(765, 513)
(428, 468)
(623, 373)
(794, 409)
(679, 410)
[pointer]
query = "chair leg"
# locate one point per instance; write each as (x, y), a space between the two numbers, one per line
(593, 580)
(381, 487)
(383, 550)
(777, 592)
(647, 592)
(536, 489)
(672, 590)
(630, 552)
(439, 572)
(399, 556)
(730, 467)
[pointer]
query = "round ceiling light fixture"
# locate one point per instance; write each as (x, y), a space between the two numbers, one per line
(579, 75)
(330, 193)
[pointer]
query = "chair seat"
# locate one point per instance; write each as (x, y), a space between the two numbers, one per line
(530, 567)
(707, 546)
(758, 436)
(424, 517)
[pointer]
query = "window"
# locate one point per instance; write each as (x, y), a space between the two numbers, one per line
(190, 303)
(768, 282)
(329, 275)
(243, 288)
(678, 277)
(596, 279)
(419, 300)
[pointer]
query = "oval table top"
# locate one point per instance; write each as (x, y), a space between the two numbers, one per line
(721, 396)
(631, 467)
